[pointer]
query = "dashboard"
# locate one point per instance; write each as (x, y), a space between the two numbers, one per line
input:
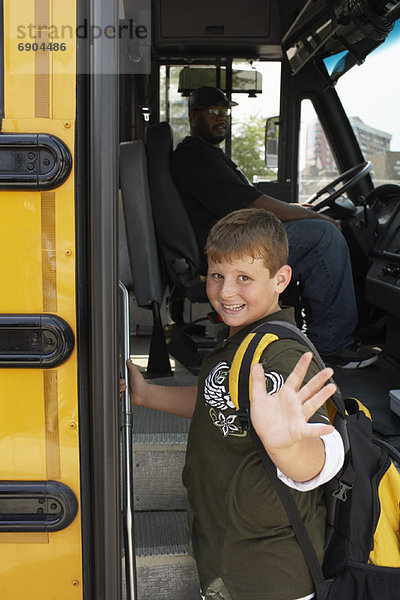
(383, 277)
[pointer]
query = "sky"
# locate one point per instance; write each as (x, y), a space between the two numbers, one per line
(372, 91)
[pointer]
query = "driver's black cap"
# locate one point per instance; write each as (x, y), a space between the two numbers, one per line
(207, 96)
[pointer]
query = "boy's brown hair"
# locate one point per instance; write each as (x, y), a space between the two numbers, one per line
(249, 232)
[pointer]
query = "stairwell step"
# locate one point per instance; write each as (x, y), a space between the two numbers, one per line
(159, 446)
(157, 476)
(164, 568)
(153, 426)
(161, 532)
(168, 582)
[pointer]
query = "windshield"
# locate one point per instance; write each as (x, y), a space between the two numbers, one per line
(370, 95)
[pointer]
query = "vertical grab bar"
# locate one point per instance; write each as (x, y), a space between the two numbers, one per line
(127, 461)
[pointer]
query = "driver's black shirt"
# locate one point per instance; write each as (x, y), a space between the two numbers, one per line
(210, 184)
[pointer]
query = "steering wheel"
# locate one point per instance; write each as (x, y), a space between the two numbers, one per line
(349, 178)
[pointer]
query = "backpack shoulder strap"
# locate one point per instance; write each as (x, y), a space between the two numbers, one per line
(321, 584)
(250, 352)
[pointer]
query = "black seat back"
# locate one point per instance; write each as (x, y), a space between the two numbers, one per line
(148, 284)
(140, 236)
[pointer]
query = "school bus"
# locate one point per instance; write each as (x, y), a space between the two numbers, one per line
(81, 85)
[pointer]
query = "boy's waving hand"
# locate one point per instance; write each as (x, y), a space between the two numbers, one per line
(281, 419)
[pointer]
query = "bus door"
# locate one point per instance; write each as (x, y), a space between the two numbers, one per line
(40, 516)
(60, 492)
(59, 444)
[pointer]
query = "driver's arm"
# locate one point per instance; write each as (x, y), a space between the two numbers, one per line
(288, 212)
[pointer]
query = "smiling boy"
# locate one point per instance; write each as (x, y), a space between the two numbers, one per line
(244, 546)
(243, 290)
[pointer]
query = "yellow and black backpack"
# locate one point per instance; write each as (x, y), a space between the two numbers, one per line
(362, 550)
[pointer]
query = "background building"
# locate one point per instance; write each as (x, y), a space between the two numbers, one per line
(386, 167)
(319, 157)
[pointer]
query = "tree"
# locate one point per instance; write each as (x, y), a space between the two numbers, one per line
(248, 145)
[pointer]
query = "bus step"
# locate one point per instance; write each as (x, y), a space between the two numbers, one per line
(157, 473)
(159, 450)
(164, 568)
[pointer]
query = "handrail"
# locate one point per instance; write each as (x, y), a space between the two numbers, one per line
(127, 461)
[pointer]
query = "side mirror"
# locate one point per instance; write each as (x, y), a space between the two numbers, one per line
(272, 142)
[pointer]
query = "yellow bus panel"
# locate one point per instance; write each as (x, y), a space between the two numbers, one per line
(39, 407)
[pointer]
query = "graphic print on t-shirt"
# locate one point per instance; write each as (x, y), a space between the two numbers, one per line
(222, 411)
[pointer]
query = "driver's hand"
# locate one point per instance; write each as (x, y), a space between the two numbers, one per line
(317, 215)
(326, 218)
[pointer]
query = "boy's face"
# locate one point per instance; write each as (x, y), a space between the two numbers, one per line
(243, 291)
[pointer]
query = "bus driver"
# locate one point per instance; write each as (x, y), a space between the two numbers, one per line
(211, 186)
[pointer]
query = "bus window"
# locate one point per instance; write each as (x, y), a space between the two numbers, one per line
(249, 120)
(173, 106)
(256, 89)
(317, 165)
(176, 82)
(369, 94)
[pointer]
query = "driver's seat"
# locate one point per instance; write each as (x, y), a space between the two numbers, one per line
(178, 249)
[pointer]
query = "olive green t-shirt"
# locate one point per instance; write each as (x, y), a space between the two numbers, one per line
(240, 532)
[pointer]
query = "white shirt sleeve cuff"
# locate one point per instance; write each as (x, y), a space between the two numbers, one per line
(334, 458)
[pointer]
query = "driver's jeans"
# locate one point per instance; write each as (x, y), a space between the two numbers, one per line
(320, 260)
